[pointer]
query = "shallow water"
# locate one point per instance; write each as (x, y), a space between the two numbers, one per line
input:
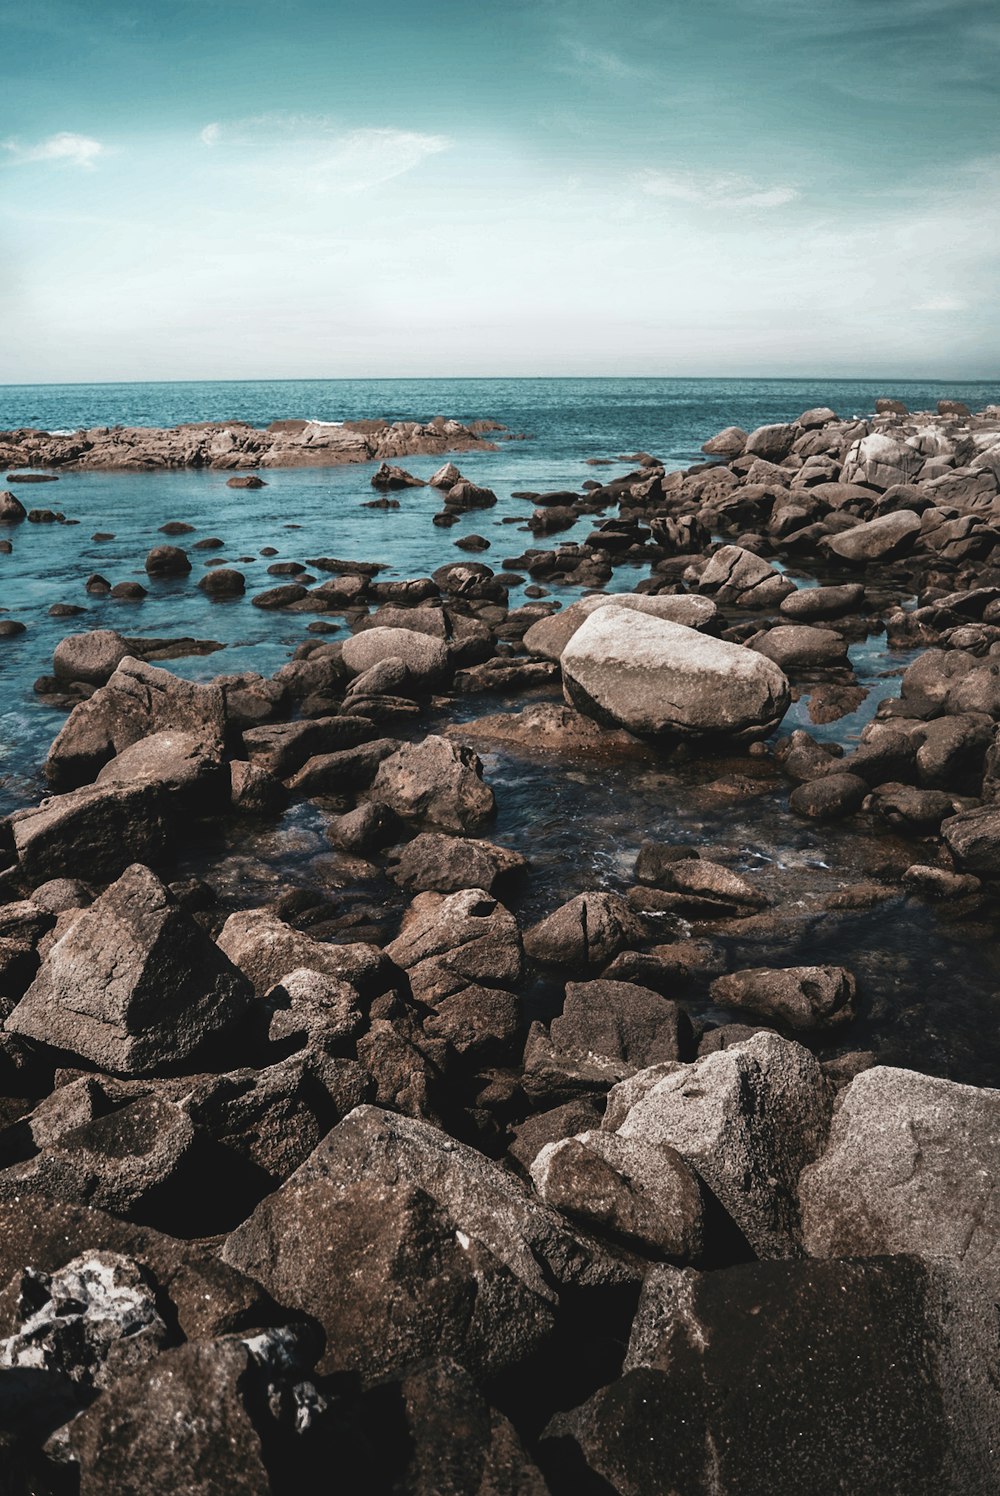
(929, 991)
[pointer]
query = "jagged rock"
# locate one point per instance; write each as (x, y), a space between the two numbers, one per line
(693, 886)
(549, 636)
(659, 679)
(134, 984)
(387, 477)
(620, 1021)
(435, 783)
(747, 1119)
(12, 511)
(585, 933)
(801, 997)
(265, 949)
(285, 747)
(735, 575)
(879, 461)
(912, 1162)
(530, 1136)
(448, 942)
(97, 832)
(181, 763)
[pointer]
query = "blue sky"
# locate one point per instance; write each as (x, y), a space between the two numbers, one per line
(296, 189)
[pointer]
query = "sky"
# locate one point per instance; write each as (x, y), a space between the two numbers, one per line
(324, 188)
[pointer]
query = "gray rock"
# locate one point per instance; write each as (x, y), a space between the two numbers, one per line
(135, 984)
(549, 636)
(426, 660)
(879, 460)
(912, 1162)
(93, 657)
(878, 539)
(747, 1119)
(771, 442)
(585, 933)
(738, 576)
(807, 603)
(829, 798)
(730, 442)
(435, 783)
(660, 679)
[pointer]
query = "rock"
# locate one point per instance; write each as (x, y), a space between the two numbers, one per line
(973, 839)
(138, 700)
(731, 442)
(819, 415)
(98, 831)
(388, 477)
(445, 477)
(549, 636)
(747, 1119)
(953, 408)
(793, 645)
(647, 1196)
(829, 798)
(254, 791)
(886, 407)
(134, 984)
(585, 933)
(223, 582)
(656, 861)
(246, 480)
(167, 561)
(801, 997)
(771, 442)
(932, 882)
(283, 748)
(93, 657)
(265, 949)
(448, 942)
(878, 539)
(735, 575)
(179, 762)
(880, 461)
(132, 592)
(531, 1135)
(622, 1021)
(11, 628)
(912, 1161)
(426, 660)
(807, 603)
(918, 812)
(445, 864)
(736, 1382)
(658, 679)
(314, 1009)
(695, 887)
(12, 511)
(481, 1024)
(280, 597)
(435, 783)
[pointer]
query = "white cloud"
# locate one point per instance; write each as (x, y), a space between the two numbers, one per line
(587, 62)
(727, 190)
(313, 155)
(942, 304)
(65, 148)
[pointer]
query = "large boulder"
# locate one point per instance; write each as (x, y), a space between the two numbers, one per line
(777, 1378)
(662, 680)
(878, 539)
(736, 575)
(134, 984)
(93, 833)
(912, 1163)
(426, 659)
(435, 784)
(730, 442)
(879, 461)
(138, 700)
(772, 442)
(12, 511)
(93, 657)
(549, 636)
(747, 1119)
(585, 933)
(800, 997)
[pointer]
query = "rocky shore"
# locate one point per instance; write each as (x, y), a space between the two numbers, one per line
(412, 1191)
(237, 445)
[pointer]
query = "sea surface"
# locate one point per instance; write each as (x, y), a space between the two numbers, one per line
(581, 825)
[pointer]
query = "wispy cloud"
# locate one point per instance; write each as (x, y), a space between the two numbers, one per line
(590, 62)
(321, 156)
(942, 304)
(65, 149)
(725, 190)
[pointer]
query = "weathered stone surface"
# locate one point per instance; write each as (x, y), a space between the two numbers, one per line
(662, 680)
(646, 1195)
(829, 798)
(730, 442)
(285, 747)
(549, 636)
(265, 949)
(436, 784)
(445, 864)
(736, 575)
(583, 934)
(801, 997)
(913, 1163)
(185, 765)
(747, 1119)
(426, 660)
(167, 561)
(807, 603)
(96, 832)
(973, 838)
(796, 644)
(448, 942)
(12, 511)
(744, 1383)
(693, 886)
(135, 983)
(93, 657)
(622, 1021)
(877, 539)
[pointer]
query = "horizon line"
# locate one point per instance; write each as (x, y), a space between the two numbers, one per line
(41, 384)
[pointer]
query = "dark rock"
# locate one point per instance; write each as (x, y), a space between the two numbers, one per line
(829, 798)
(586, 933)
(436, 784)
(98, 831)
(445, 864)
(167, 561)
(223, 582)
(265, 949)
(800, 997)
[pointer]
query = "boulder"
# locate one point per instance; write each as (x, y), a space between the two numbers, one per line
(620, 1021)
(435, 784)
(445, 864)
(94, 833)
(12, 511)
(184, 765)
(799, 997)
(796, 645)
(549, 636)
(134, 985)
(426, 660)
(659, 679)
(448, 942)
(167, 561)
(265, 948)
(829, 798)
(224, 581)
(807, 603)
(973, 839)
(730, 442)
(585, 933)
(913, 1163)
(878, 539)
(695, 887)
(738, 576)
(773, 443)
(93, 657)
(879, 461)
(747, 1119)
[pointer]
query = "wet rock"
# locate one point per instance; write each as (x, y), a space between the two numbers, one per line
(11, 628)
(426, 660)
(337, 773)
(134, 985)
(796, 645)
(265, 948)
(223, 582)
(253, 790)
(935, 882)
(549, 636)
(656, 861)
(12, 511)
(878, 539)
(448, 942)
(951, 753)
(919, 812)
(167, 561)
(585, 933)
(446, 864)
(911, 1160)
(808, 603)
(388, 477)
(445, 477)
(695, 887)
(93, 657)
(747, 1119)
(436, 784)
(97, 586)
(973, 839)
(801, 997)
(280, 597)
(735, 1383)
(829, 798)
(659, 679)
(98, 832)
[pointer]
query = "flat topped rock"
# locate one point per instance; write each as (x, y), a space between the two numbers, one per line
(660, 679)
